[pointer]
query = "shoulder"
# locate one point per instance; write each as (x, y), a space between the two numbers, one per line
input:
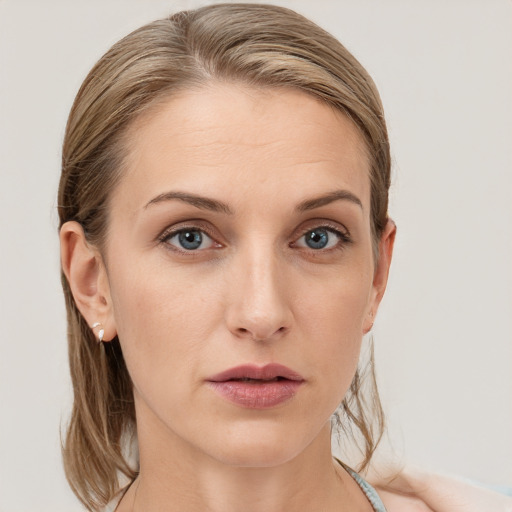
(421, 491)
(396, 502)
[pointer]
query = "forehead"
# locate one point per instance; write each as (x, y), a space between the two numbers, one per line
(232, 137)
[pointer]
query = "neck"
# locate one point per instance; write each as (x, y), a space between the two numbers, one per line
(175, 476)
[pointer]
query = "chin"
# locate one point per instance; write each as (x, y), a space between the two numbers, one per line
(259, 447)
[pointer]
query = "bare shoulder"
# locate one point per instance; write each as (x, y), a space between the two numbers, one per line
(396, 502)
(421, 491)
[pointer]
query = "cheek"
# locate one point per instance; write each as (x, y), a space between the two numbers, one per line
(162, 319)
(338, 302)
(333, 318)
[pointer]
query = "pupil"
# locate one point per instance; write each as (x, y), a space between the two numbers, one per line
(317, 239)
(190, 239)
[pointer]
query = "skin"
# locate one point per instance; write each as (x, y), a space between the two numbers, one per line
(254, 292)
(417, 490)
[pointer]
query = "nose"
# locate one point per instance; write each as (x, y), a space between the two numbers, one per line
(259, 306)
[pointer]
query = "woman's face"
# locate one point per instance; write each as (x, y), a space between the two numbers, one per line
(240, 235)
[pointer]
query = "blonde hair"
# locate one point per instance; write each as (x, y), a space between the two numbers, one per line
(260, 45)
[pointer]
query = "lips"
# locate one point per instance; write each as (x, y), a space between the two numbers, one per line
(256, 387)
(266, 373)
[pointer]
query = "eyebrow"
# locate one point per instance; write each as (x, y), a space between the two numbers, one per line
(206, 203)
(336, 195)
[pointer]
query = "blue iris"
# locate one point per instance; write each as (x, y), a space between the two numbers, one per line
(317, 238)
(190, 239)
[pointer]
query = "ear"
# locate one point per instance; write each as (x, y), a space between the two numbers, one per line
(85, 271)
(380, 277)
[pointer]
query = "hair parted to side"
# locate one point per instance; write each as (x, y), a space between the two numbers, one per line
(259, 45)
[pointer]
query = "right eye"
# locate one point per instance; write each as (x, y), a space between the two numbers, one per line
(320, 238)
(188, 239)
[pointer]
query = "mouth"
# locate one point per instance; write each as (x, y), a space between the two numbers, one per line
(257, 374)
(256, 387)
(258, 381)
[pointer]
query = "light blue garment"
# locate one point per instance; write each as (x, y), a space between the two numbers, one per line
(368, 490)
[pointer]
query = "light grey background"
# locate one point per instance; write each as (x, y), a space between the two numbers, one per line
(443, 336)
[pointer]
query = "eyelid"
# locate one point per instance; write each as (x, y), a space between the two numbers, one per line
(187, 225)
(339, 230)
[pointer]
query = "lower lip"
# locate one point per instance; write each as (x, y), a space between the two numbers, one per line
(258, 395)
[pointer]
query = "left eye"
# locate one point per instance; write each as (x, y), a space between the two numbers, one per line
(319, 238)
(189, 239)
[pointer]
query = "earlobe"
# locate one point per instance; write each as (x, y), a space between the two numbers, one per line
(84, 269)
(380, 277)
(368, 325)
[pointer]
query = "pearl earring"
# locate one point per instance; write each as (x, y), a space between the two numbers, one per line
(101, 332)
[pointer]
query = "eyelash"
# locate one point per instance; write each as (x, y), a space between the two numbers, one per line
(344, 238)
(171, 233)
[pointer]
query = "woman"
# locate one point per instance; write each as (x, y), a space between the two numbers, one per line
(225, 247)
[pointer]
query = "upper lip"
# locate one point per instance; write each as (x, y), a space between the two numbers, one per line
(250, 371)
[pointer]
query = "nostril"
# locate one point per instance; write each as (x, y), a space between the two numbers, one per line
(245, 332)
